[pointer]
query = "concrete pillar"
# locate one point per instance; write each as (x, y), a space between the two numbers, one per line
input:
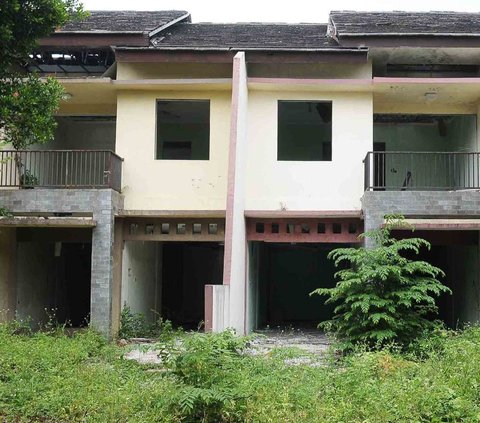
(117, 275)
(8, 278)
(372, 215)
(102, 268)
(234, 274)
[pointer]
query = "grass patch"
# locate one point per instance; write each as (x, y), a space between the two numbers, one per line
(55, 377)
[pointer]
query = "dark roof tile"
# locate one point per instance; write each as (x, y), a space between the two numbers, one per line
(403, 23)
(245, 36)
(124, 21)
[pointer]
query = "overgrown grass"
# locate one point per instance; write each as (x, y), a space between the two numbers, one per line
(56, 378)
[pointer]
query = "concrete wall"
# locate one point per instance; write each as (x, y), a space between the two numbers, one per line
(333, 185)
(141, 277)
(376, 204)
(460, 136)
(150, 184)
(311, 70)
(102, 205)
(74, 133)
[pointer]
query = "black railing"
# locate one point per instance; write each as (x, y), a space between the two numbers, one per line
(421, 171)
(60, 169)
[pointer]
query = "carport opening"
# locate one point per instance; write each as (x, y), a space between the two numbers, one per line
(54, 276)
(282, 277)
(167, 279)
(457, 254)
(187, 268)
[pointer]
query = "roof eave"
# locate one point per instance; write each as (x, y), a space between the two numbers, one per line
(403, 34)
(169, 24)
(260, 49)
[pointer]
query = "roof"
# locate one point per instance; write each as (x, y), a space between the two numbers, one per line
(246, 36)
(126, 21)
(351, 23)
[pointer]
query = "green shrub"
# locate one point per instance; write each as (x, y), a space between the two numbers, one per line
(208, 367)
(136, 325)
(383, 297)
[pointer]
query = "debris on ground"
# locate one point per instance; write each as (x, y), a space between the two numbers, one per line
(313, 342)
(309, 340)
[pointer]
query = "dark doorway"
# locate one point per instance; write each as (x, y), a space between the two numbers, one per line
(77, 261)
(457, 254)
(54, 269)
(287, 275)
(187, 268)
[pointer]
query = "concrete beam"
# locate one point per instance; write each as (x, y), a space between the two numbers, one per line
(47, 222)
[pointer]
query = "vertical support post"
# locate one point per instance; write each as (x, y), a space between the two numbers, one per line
(117, 275)
(102, 266)
(8, 273)
(234, 272)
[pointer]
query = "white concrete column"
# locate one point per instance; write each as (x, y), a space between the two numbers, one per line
(234, 271)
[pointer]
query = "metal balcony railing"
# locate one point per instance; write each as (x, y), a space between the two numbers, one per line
(421, 171)
(60, 169)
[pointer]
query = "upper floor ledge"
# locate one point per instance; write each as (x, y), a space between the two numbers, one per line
(375, 84)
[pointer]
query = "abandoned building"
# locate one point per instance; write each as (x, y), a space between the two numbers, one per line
(203, 172)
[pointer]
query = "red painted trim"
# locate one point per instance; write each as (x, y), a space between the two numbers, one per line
(425, 81)
(245, 304)
(310, 81)
(297, 236)
(208, 308)
(449, 238)
(232, 157)
(268, 214)
(447, 226)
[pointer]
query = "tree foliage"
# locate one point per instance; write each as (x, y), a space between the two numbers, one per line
(382, 296)
(28, 103)
(23, 22)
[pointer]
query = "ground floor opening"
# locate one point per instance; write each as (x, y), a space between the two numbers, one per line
(457, 254)
(51, 282)
(281, 277)
(167, 279)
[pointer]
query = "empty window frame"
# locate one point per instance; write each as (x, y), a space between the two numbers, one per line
(304, 131)
(183, 130)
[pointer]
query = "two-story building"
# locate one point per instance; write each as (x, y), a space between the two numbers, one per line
(203, 172)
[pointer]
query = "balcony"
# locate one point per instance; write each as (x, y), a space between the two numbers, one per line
(421, 171)
(30, 169)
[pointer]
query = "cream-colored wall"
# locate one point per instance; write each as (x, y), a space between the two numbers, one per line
(335, 185)
(150, 184)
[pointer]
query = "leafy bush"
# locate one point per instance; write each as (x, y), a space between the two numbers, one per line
(136, 325)
(4, 212)
(28, 179)
(383, 297)
(208, 365)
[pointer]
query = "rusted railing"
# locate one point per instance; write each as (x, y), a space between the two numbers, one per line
(421, 171)
(60, 169)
